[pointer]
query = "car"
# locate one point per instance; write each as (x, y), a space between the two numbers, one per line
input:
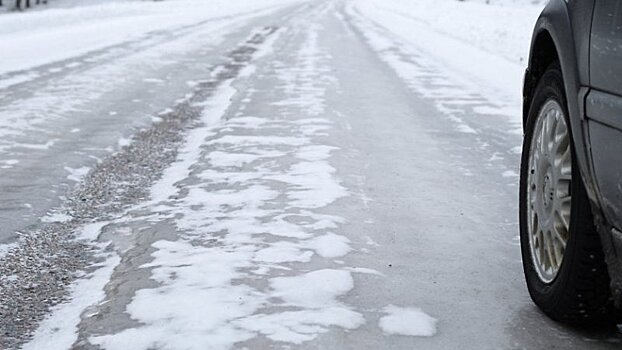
(570, 200)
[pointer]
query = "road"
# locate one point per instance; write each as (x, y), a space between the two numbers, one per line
(297, 177)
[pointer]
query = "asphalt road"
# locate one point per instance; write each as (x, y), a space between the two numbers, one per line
(278, 184)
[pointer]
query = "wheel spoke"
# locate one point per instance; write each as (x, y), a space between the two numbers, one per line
(534, 224)
(543, 140)
(563, 218)
(561, 235)
(562, 141)
(559, 247)
(563, 161)
(550, 250)
(551, 127)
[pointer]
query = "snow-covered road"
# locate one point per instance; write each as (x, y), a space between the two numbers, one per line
(294, 175)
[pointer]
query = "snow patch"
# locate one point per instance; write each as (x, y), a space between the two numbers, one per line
(407, 321)
(6, 248)
(90, 232)
(510, 173)
(330, 245)
(191, 150)
(77, 174)
(59, 330)
(56, 217)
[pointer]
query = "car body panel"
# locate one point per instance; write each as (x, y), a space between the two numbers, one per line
(606, 47)
(604, 107)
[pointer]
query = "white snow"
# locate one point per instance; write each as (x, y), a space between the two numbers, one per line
(56, 217)
(503, 29)
(365, 270)
(454, 50)
(59, 330)
(321, 288)
(330, 245)
(6, 248)
(510, 173)
(126, 35)
(77, 174)
(241, 229)
(191, 150)
(34, 38)
(407, 321)
(224, 159)
(90, 232)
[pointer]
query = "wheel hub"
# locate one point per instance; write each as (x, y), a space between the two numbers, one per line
(548, 193)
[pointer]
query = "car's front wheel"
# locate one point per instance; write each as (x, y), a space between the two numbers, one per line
(562, 255)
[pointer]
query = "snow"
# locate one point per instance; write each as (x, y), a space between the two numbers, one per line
(297, 327)
(330, 245)
(40, 37)
(492, 42)
(321, 288)
(223, 159)
(503, 29)
(407, 321)
(56, 217)
(234, 226)
(133, 41)
(6, 248)
(90, 232)
(510, 173)
(59, 330)
(77, 174)
(191, 150)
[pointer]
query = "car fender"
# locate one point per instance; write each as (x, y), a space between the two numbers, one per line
(555, 22)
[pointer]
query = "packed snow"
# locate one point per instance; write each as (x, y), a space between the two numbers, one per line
(407, 321)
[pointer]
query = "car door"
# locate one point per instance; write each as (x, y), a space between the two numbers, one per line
(603, 106)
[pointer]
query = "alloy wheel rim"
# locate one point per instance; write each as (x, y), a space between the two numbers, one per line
(549, 191)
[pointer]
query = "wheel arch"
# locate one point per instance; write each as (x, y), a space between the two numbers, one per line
(554, 40)
(543, 54)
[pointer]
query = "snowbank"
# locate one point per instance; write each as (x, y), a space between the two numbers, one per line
(35, 38)
(485, 45)
(503, 29)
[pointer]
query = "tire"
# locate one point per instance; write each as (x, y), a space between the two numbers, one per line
(578, 292)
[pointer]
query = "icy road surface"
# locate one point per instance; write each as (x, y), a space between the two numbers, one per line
(308, 175)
